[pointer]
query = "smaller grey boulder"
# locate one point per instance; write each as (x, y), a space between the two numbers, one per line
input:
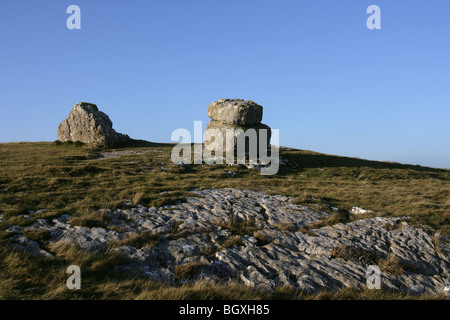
(235, 112)
(85, 123)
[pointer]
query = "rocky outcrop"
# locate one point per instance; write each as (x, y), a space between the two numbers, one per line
(233, 118)
(85, 123)
(260, 240)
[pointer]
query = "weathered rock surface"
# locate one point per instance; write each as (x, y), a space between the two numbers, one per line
(87, 124)
(235, 111)
(237, 133)
(22, 243)
(255, 238)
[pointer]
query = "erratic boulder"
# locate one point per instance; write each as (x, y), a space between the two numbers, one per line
(235, 111)
(231, 134)
(233, 118)
(85, 123)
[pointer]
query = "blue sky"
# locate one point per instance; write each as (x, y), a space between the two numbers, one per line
(326, 81)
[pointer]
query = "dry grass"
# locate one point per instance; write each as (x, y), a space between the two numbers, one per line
(364, 257)
(26, 277)
(393, 265)
(65, 179)
(167, 198)
(233, 242)
(292, 227)
(238, 226)
(37, 235)
(188, 271)
(342, 216)
(138, 198)
(262, 238)
(90, 219)
(438, 241)
(139, 240)
(22, 276)
(389, 264)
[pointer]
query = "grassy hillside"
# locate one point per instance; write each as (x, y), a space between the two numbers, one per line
(52, 179)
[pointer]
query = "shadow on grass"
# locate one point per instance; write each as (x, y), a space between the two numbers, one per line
(142, 144)
(307, 159)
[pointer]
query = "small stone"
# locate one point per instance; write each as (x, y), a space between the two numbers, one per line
(447, 290)
(188, 247)
(358, 210)
(20, 242)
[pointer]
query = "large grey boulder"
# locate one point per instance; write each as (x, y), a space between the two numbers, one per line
(235, 119)
(85, 123)
(235, 111)
(230, 133)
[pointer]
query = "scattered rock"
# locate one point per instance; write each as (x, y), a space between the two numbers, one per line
(358, 210)
(257, 238)
(447, 290)
(85, 123)
(20, 242)
(231, 173)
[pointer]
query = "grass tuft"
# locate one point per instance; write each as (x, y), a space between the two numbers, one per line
(138, 198)
(351, 253)
(233, 242)
(92, 219)
(188, 271)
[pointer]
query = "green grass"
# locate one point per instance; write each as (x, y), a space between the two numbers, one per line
(65, 178)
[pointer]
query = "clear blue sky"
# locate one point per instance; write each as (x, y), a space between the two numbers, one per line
(324, 79)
